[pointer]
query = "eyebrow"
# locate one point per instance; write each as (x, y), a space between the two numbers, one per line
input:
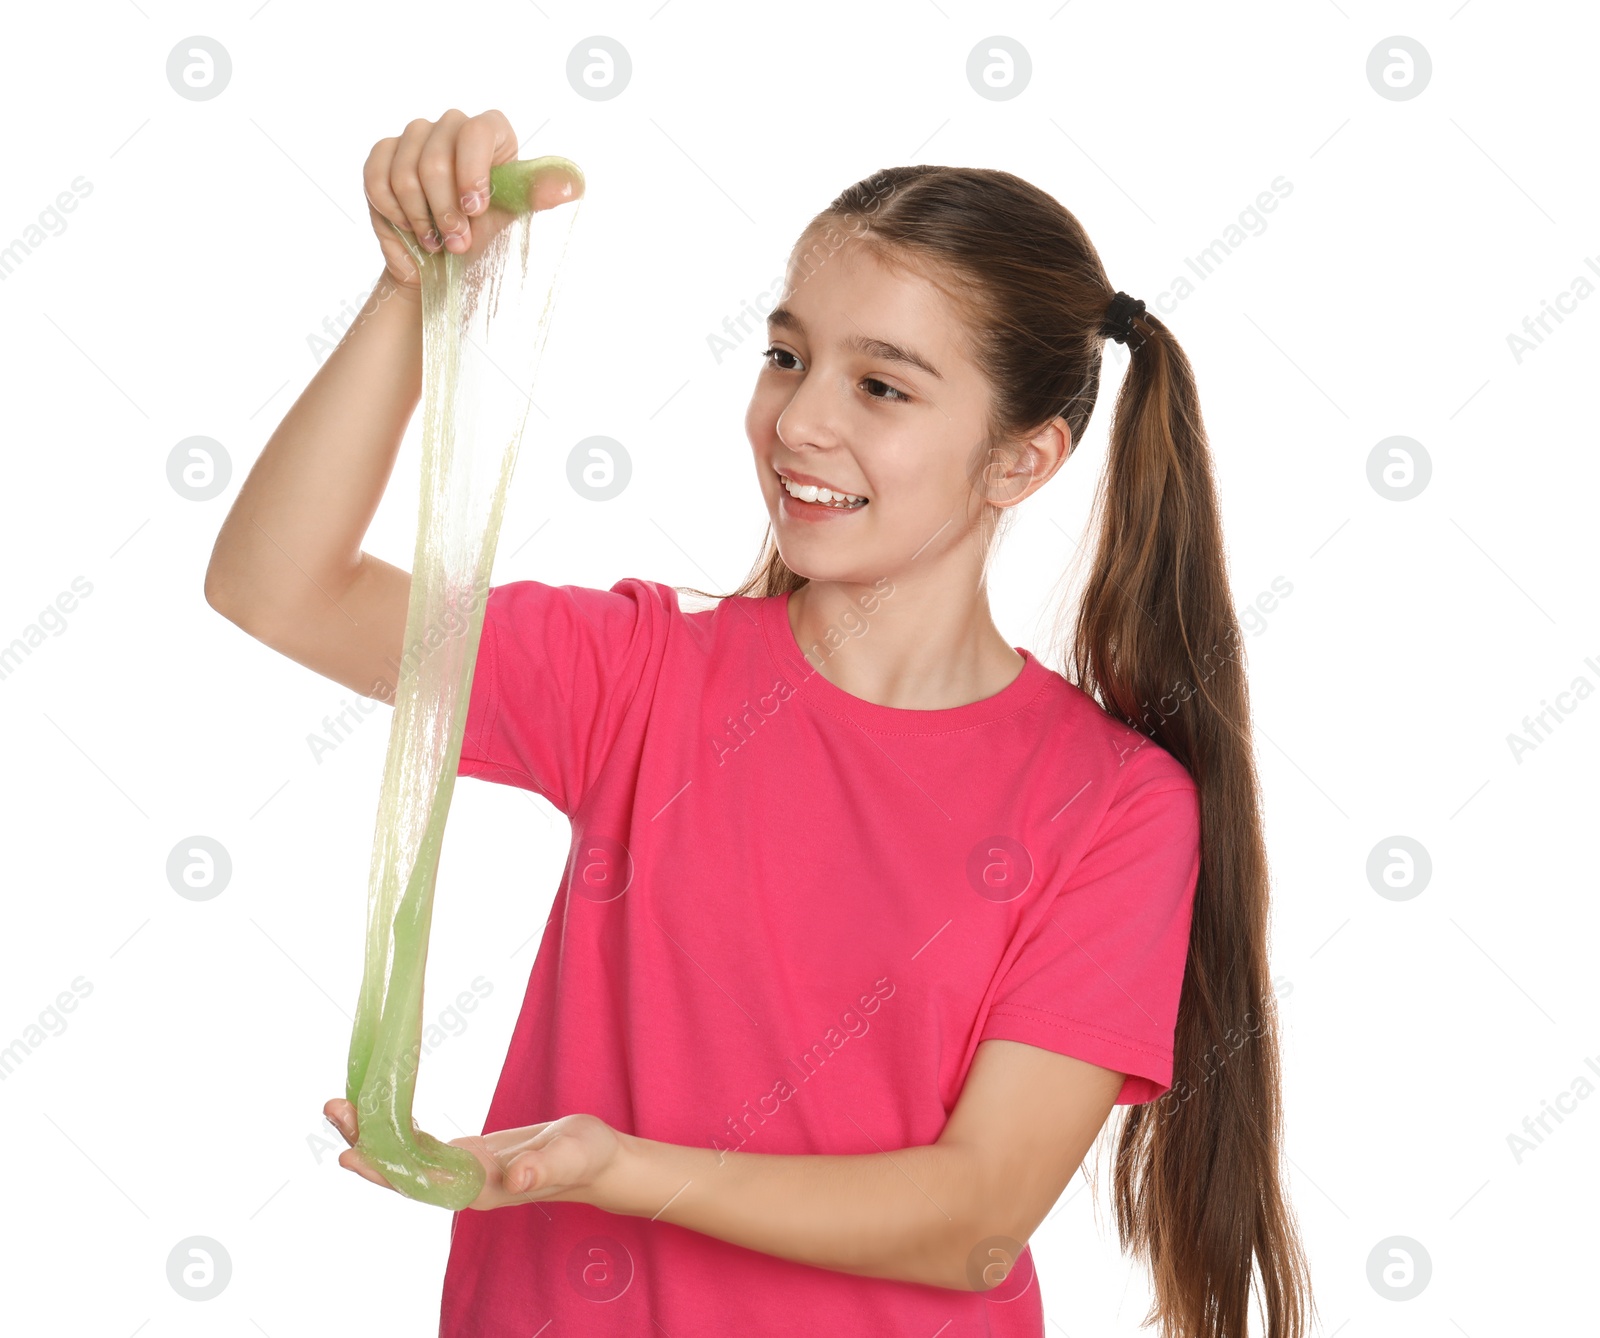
(785, 319)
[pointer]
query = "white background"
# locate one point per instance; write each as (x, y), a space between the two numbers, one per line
(183, 1097)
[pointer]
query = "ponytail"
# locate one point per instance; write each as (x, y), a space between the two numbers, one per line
(1196, 1184)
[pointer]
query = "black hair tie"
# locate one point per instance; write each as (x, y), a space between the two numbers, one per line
(1119, 318)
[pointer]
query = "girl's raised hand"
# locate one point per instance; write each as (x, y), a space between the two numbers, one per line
(432, 180)
(560, 1159)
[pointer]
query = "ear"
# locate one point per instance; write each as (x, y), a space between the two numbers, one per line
(1034, 461)
(1055, 437)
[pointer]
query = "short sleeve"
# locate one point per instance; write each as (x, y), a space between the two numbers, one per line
(1099, 979)
(558, 670)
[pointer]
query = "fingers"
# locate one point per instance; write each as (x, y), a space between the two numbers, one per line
(375, 181)
(342, 1115)
(396, 259)
(503, 1161)
(554, 187)
(436, 170)
(384, 210)
(433, 178)
(523, 1173)
(352, 1160)
(407, 186)
(483, 141)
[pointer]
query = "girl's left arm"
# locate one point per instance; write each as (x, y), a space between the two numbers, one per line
(955, 1213)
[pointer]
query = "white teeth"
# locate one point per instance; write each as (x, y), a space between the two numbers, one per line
(826, 496)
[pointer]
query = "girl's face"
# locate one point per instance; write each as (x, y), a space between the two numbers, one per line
(867, 390)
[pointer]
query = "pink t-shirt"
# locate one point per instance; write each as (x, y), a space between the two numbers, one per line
(788, 918)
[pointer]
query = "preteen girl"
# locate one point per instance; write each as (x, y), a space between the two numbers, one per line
(871, 918)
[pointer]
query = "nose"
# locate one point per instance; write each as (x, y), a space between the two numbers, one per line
(812, 415)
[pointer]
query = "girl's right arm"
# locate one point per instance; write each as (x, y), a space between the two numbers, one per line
(287, 566)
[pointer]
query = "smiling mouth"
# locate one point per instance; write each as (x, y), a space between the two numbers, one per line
(821, 497)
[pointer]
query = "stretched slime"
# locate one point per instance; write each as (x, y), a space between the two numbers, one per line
(484, 323)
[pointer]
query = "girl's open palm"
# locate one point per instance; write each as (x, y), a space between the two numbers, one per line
(559, 1159)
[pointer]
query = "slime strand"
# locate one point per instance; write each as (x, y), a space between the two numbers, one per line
(471, 429)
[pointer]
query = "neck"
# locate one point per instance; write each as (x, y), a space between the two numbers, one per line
(922, 647)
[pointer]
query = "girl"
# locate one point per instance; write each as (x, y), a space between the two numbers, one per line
(870, 918)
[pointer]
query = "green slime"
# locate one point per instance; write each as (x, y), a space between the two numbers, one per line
(458, 529)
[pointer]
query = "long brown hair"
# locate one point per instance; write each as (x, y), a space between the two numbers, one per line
(1157, 644)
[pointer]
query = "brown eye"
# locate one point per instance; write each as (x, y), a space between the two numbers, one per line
(898, 394)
